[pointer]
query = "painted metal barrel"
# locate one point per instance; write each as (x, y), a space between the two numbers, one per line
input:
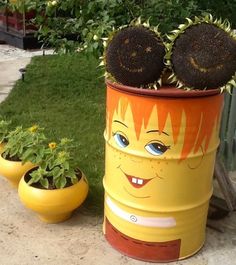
(160, 154)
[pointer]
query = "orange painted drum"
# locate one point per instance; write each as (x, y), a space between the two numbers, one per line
(160, 154)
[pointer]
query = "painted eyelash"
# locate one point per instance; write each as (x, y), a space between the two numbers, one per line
(160, 142)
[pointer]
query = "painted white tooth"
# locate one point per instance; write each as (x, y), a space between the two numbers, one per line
(140, 181)
(134, 180)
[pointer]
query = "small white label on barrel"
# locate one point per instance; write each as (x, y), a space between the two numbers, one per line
(163, 222)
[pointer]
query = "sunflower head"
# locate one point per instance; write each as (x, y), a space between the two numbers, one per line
(202, 54)
(134, 55)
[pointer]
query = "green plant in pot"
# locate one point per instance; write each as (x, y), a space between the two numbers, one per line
(56, 187)
(4, 130)
(19, 152)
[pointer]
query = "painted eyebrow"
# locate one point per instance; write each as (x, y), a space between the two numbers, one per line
(120, 123)
(158, 132)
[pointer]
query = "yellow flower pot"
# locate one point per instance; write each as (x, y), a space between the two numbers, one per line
(13, 170)
(53, 206)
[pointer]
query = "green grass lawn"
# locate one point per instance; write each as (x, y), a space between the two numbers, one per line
(65, 95)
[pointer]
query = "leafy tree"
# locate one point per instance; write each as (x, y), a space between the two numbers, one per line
(80, 24)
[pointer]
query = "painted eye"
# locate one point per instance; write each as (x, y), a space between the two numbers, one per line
(156, 148)
(121, 140)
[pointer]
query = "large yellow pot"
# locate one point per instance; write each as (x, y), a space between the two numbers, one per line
(13, 170)
(160, 154)
(53, 206)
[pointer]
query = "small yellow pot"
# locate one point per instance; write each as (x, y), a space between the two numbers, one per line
(13, 170)
(53, 206)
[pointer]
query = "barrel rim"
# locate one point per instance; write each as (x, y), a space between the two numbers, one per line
(164, 91)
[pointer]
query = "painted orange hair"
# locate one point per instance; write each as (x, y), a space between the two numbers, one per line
(202, 115)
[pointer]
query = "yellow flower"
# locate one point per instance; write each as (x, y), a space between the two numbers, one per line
(34, 128)
(52, 145)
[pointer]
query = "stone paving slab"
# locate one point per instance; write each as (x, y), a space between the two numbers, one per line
(9, 72)
(8, 52)
(11, 60)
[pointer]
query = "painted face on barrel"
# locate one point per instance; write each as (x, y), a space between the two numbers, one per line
(137, 162)
(147, 169)
(143, 167)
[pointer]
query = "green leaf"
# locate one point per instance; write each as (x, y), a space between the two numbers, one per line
(57, 172)
(66, 165)
(36, 176)
(30, 182)
(60, 182)
(95, 45)
(44, 182)
(26, 154)
(73, 178)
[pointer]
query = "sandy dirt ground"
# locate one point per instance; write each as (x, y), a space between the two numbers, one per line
(25, 240)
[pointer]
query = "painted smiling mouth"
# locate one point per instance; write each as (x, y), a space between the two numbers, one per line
(137, 182)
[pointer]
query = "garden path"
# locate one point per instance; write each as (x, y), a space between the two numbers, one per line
(24, 240)
(11, 60)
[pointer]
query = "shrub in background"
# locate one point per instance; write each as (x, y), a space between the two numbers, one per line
(78, 24)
